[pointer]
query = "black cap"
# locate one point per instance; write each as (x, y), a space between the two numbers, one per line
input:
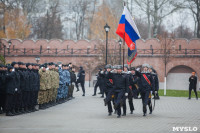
(9, 67)
(13, 63)
(28, 64)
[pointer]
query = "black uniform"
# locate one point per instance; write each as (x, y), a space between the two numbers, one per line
(108, 82)
(2, 91)
(18, 93)
(36, 87)
(120, 86)
(156, 83)
(193, 86)
(81, 80)
(146, 85)
(133, 90)
(10, 91)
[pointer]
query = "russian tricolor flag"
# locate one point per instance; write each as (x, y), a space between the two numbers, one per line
(128, 31)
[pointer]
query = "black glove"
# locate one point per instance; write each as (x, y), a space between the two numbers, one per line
(67, 84)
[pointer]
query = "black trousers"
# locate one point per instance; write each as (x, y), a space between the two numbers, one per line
(10, 103)
(95, 87)
(83, 86)
(2, 100)
(130, 100)
(195, 91)
(119, 95)
(18, 100)
(145, 98)
(35, 98)
(110, 110)
(26, 98)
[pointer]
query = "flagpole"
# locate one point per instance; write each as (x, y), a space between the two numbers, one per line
(123, 50)
(123, 44)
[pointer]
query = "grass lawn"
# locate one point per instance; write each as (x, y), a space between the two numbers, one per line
(178, 93)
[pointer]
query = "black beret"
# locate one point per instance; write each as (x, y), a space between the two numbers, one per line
(108, 66)
(56, 65)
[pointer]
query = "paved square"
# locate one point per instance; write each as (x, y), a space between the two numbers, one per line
(89, 115)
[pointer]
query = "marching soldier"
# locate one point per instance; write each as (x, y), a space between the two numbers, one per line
(108, 87)
(120, 86)
(133, 88)
(146, 85)
(81, 79)
(156, 82)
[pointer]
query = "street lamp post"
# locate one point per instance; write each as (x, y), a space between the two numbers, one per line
(107, 28)
(37, 59)
(120, 49)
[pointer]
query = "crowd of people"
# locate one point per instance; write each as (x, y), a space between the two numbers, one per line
(24, 86)
(119, 85)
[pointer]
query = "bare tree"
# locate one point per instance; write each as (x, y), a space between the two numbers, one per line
(194, 6)
(166, 45)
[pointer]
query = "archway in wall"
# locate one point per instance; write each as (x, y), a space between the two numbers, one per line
(178, 77)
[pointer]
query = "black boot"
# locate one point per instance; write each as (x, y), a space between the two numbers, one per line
(13, 112)
(1, 111)
(9, 113)
(105, 103)
(94, 95)
(110, 113)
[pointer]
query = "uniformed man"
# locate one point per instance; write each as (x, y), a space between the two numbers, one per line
(156, 82)
(108, 87)
(3, 71)
(81, 79)
(10, 91)
(73, 81)
(120, 86)
(133, 79)
(146, 86)
(42, 94)
(98, 83)
(193, 85)
(18, 92)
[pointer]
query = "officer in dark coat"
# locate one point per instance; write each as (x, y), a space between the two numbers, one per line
(133, 79)
(3, 71)
(10, 91)
(36, 86)
(81, 79)
(31, 83)
(193, 85)
(156, 82)
(108, 87)
(146, 86)
(120, 86)
(18, 93)
(98, 83)
(22, 84)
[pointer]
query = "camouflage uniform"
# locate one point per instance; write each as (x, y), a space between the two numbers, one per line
(52, 84)
(60, 89)
(67, 81)
(55, 84)
(48, 78)
(42, 94)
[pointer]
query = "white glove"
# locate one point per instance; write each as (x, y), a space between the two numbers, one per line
(16, 89)
(156, 92)
(126, 94)
(101, 72)
(13, 70)
(151, 92)
(138, 69)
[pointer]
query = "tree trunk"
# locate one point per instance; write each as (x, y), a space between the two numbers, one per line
(155, 28)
